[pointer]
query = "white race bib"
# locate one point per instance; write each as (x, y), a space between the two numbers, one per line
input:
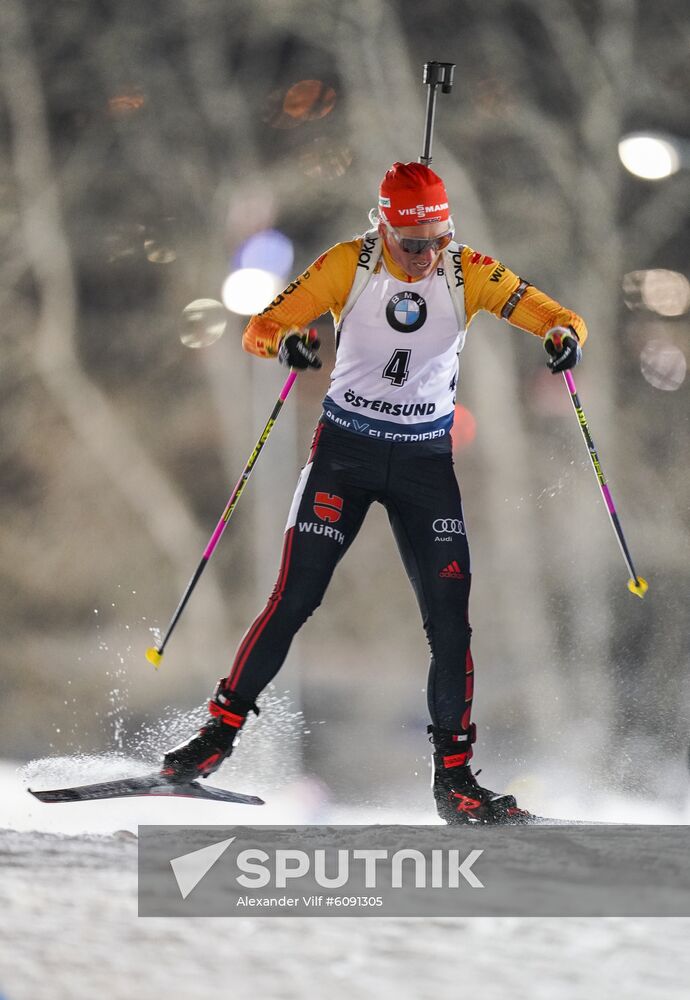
(396, 362)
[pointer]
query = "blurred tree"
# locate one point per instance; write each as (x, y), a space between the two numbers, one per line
(146, 142)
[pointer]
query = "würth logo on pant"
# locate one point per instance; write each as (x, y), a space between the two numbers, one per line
(328, 507)
(452, 571)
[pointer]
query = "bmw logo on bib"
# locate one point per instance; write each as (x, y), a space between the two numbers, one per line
(406, 312)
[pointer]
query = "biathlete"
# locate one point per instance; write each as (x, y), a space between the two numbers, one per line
(401, 296)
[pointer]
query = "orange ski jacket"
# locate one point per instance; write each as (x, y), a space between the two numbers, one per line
(326, 284)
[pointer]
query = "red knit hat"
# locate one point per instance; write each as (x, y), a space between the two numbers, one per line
(411, 194)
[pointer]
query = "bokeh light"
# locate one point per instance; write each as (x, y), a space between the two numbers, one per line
(325, 158)
(249, 290)
(269, 250)
(122, 105)
(161, 240)
(664, 292)
(304, 101)
(202, 323)
(464, 429)
(663, 365)
(158, 252)
(651, 157)
(309, 100)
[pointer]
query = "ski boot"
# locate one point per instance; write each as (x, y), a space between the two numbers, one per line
(203, 753)
(460, 799)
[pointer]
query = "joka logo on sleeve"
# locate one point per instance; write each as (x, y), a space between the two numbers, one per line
(328, 507)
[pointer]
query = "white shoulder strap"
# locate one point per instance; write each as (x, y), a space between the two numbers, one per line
(452, 265)
(369, 256)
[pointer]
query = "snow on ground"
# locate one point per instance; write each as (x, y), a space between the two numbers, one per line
(69, 928)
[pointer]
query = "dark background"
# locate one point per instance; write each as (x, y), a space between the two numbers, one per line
(142, 144)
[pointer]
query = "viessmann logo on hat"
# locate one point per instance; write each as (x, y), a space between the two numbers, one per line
(423, 210)
(411, 193)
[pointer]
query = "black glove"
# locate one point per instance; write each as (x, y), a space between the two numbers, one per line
(299, 351)
(563, 348)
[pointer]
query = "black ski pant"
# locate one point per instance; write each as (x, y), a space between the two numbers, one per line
(416, 484)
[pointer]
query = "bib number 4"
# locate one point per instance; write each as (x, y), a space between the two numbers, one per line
(398, 367)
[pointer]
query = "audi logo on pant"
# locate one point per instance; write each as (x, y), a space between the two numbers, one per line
(449, 524)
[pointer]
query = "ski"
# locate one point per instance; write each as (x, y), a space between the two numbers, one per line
(148, 784)
(155, 784)
(532, 820)
(551, 821)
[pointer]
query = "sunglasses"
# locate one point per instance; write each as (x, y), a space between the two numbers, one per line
(409, 244)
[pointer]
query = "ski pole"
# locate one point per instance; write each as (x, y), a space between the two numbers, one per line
(155, 654)
(436, 74)
(636, 584)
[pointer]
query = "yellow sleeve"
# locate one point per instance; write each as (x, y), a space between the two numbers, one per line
(323, 287)
(489, 285)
